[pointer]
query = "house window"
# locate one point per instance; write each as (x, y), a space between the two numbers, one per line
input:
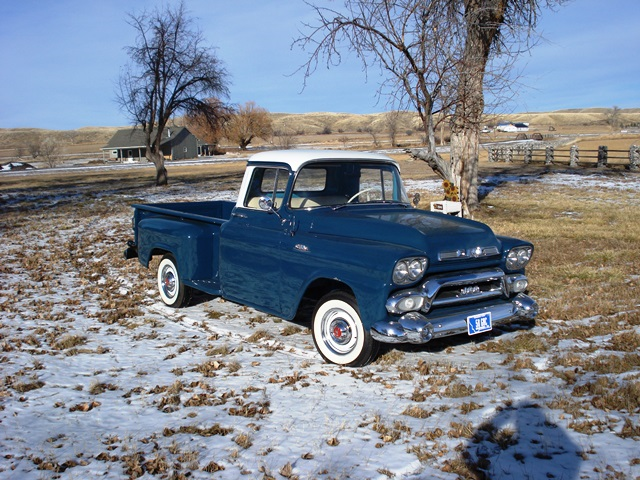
(185, 150)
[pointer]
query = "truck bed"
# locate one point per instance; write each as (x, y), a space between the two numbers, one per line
(215, 211)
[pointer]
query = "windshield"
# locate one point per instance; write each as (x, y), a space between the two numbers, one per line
(341, 183)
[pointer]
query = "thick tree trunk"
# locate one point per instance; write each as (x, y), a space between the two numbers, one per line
(483, 19)
(464, 160)
(162, 178)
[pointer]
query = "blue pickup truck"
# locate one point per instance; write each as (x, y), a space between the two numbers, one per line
(333, 232)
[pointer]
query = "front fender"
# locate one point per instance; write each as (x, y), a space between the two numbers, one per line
(364, 267)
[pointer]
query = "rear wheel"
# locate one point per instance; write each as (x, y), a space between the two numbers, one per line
(339, 334)
(172, 291)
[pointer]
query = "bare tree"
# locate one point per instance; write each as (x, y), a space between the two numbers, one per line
(35, 147)
(398, 38)
(614, 117)
(434, 55)
(250, 121)
(344, 139)
(50, 150)
(171, 72)
(392, 122)
(494, 33)
(371, 130)
(210, 130)
(285, 137)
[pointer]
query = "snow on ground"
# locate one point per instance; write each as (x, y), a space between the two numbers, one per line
(100, 379)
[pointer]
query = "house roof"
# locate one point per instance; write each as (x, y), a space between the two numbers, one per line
(135, 137)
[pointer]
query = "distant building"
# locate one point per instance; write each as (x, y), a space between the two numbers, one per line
(513, 127)
(178, 143)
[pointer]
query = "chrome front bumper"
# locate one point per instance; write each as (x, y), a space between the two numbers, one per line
(415, 327)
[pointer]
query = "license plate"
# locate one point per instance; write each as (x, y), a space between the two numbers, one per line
(479, 323)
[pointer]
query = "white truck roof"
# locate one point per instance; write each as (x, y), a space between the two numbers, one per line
(296, 158)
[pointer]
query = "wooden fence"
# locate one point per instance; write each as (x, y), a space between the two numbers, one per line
(572, 156)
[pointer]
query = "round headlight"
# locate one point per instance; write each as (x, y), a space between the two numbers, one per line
(401, 273)
(416, 268)
(409, 270)
(518, 257)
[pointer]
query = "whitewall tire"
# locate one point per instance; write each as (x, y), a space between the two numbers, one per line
(172, 291)
(338, 332)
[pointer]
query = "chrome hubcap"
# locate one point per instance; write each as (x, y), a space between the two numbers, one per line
(168, 282)
(340, 331)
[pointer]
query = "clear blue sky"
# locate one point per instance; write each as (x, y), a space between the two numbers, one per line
(60, 60)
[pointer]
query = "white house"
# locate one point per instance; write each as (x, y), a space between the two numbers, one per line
(513, 127)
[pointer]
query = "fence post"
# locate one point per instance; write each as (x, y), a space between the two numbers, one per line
(494, 153)
(508, 155)
(574, 156)
(634, 157)
(549, 155)
(603, 156)
(528, 154)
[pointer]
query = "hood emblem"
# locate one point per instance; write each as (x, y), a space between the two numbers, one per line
(475, 252)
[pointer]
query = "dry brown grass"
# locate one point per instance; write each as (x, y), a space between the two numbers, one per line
(584, 262)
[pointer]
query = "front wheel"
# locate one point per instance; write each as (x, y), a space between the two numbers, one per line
(338, 332)
(172, 291)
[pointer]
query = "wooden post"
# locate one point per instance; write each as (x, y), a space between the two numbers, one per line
(528, 154)
(492, 154)
(634, 157)
(549, 155)
(603, 156)
(574, 156)
(508, 156)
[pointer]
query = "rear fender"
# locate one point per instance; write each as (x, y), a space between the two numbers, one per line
(193, 245)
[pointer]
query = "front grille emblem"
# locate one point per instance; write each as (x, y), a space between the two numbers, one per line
(470, 290)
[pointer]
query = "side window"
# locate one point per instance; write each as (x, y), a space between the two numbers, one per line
(311, 180)
(267, 182)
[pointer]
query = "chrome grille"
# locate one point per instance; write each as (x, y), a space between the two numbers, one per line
(471, 292)
(445, 290)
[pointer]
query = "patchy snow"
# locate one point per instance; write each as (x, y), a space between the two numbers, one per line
(100, 379)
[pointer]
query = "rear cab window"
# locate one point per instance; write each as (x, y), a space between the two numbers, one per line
(338, 183)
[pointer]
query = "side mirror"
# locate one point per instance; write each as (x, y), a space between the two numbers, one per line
(416, 200)
(266, 204)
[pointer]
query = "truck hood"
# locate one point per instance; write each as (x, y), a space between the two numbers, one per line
(427, 232)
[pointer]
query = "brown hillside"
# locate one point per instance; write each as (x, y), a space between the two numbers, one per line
(325, 128)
